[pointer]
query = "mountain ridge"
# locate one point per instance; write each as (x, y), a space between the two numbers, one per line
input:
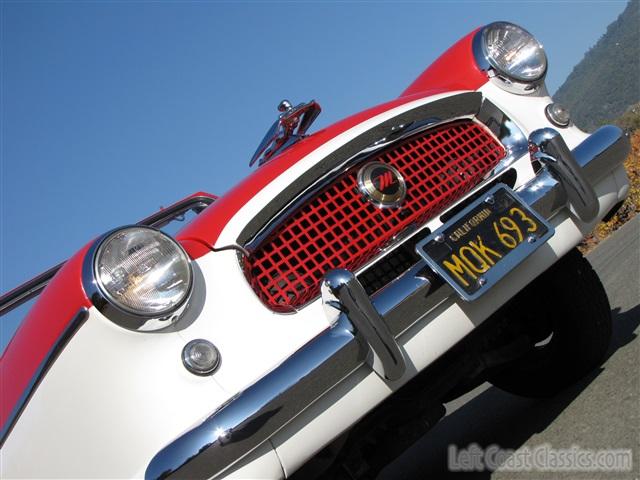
(603, 85)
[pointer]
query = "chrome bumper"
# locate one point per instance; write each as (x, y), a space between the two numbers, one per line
(364, 329)
(569, 176)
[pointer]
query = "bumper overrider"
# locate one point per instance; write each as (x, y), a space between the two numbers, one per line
(364, 328)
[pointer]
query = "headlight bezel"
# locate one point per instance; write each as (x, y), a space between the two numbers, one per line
(505, 79)
(118, 314)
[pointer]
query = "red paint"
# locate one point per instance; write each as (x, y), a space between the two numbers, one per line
(48, 319)
(338, 228)
(38, 332)
(210, 223)
(455, 69)
(195, 248)
(202, 194)
(64, 296)
(385, 180)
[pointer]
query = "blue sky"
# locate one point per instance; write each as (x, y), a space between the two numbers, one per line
(111, 109)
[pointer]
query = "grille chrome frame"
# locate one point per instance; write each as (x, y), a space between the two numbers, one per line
(465, 147)
(401, 132)
(505, 130)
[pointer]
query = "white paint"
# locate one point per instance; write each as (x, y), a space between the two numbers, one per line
(233, 228)
(251, 338)
(114, 398)
(527, 111)
(423, 343)
(109, 403)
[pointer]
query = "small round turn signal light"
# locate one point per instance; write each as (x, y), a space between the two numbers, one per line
(558, 115)
(201, 357)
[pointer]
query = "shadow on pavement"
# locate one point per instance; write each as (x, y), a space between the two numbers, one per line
(497, 417)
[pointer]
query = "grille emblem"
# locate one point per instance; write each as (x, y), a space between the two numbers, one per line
(382, 184)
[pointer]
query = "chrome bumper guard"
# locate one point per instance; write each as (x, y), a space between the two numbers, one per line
(364, 329)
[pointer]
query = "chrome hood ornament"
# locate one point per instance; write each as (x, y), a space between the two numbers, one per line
(291, 126)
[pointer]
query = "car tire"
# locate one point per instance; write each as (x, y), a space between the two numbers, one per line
(571, 300)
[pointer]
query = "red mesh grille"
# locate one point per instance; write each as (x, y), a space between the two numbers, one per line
(339, 228)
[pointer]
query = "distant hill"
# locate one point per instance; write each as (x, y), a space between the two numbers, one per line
(607, 80)
(630, 120)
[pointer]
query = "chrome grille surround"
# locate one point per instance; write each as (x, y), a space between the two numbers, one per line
(493, 122)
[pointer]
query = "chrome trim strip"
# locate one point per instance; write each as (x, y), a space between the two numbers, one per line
(254, 415)
(544, 193)
(482, 62)
(28, 290)
(496, 121)
(463, 105)
(602, 151)
(549, 148)
(406, 130)
(51, 356)
(507, 133)
(173, 212)
(597, 156)
(251, 417)
(342, 291)
(391, 295)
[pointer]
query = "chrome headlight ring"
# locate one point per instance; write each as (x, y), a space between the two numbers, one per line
(138, 277)
(511, 56)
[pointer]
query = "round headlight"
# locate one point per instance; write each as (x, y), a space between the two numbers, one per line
(513, 52)
(143, 272)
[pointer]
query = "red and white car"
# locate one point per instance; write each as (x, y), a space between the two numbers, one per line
(337, 297)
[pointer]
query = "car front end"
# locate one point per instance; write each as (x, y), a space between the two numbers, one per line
(349, 263)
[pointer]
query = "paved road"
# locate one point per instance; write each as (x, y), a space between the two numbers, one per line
(602, 412)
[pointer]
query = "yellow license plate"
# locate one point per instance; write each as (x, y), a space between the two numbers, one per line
(485, 241)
